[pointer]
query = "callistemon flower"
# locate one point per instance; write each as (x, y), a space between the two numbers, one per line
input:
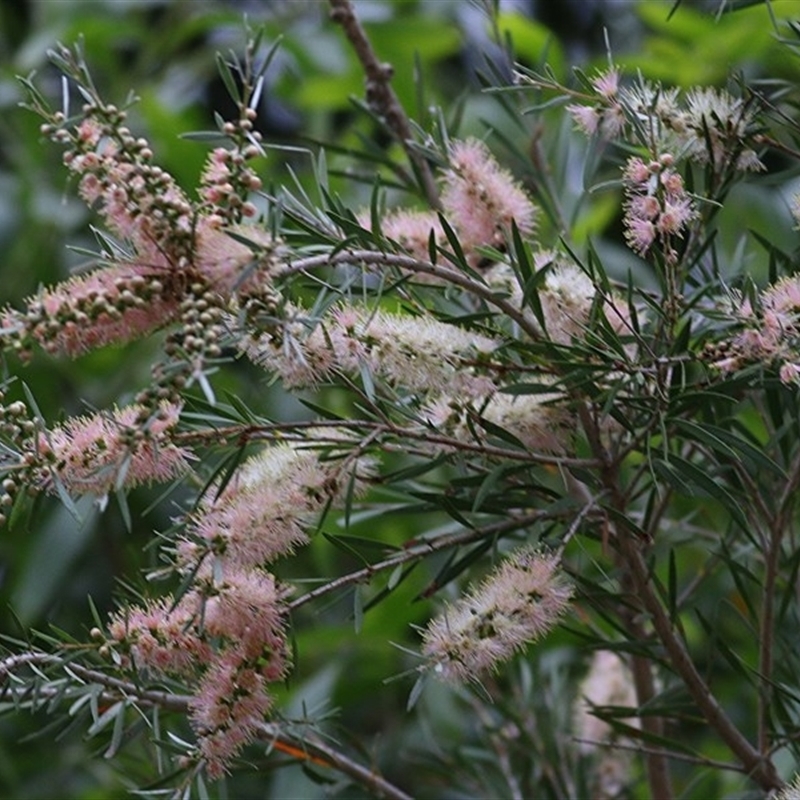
(791, 791)
(718, 129)
(412, 231)
(480, 199)
(536, 420)
(419, 354)
(657, 207)
(566, 299)
(608, 683)
(771, 335)
(111, 305)
(518, 603)
(566, 296)
(96, 454)
(264, 511)
(232, 697)
(606, 116)
(227, 638)
(160, 637)
(228, 264)
(231, 702)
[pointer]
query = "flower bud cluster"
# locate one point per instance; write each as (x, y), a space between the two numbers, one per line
(110, 305)
(518, 603)
(18, 461)
(657, 208)
(227, 179)
(138, 200)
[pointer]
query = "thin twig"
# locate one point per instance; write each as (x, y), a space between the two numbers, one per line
(777, 527)
(318, 749)
(417, 551)
(285, 431)
(307, 744)
(380, 95)
(403, 262)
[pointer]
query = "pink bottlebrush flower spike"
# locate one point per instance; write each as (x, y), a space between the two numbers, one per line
(108, 306)
(93, 454)
(481, 199)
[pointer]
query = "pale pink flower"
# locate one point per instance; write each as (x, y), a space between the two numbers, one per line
(160, 637)
(538, 421)
(587, 118)
(607, 83)
(264, 511)
(228, 264)
(657, 207)
(518, 603)
(230, 704)
(783, 296)
(770, 332)
(566, 299)
(636, 171)
(226, 636)
(246, 609)
(675, 215)
(95, 454)
(419, 354)
(412, 231)
(789, 372)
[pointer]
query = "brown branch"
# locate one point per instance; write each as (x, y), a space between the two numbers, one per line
(454, 276)
(380, 95)
(759, 767)
(417, 551)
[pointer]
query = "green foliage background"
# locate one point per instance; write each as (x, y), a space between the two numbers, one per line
(164, 52)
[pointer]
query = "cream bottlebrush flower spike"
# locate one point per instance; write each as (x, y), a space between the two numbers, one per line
(419, 354)
(539, 421)
(518, 603)
(608, 683)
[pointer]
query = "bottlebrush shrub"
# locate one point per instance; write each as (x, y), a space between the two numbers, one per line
(614, 461)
